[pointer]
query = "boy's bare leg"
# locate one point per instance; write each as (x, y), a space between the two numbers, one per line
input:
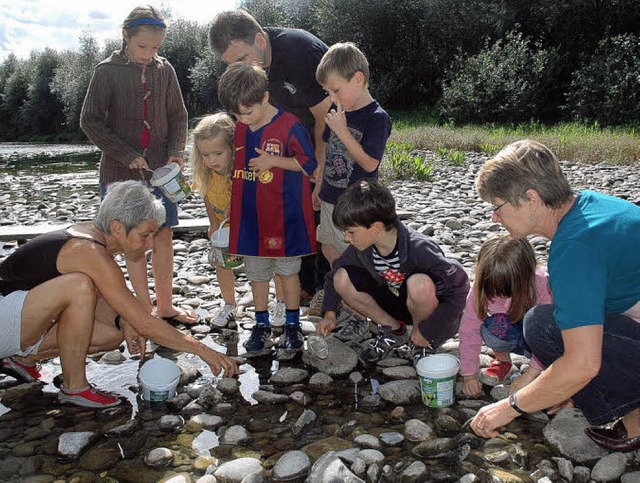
(421, 303)
(330, 253)
(291, 289)
(162, 265)
(277, 282)
(260, 292)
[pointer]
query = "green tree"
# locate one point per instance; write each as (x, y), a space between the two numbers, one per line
(409, 43)
(41, 112)
(8, 67)
(506, 82)
(72, 77)
(184, 44)
(204, 79)
(607, 87)
(13, 98)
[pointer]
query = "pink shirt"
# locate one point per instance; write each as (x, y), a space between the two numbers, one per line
(470, 324)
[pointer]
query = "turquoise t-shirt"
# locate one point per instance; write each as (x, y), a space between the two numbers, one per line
(594, 260)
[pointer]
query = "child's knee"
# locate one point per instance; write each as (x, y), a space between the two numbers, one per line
(421, 289)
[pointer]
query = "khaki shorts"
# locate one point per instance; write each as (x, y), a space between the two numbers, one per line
(327, 233)
(260, 269)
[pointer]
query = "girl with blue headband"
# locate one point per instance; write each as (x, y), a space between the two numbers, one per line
(135, 114)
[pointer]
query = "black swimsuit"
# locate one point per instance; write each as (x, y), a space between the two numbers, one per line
(35, 262)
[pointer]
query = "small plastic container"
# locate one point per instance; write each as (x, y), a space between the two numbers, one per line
(438, 379)
(220, 247)
(159, 379)
(171, 182)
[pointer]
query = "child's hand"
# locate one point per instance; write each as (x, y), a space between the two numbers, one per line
(471, 386)
(262, 163)
(315, 198)
(336, 119)
(178, 160)
(210, 231)
(140, 164)
(325, 326)
(417, 339)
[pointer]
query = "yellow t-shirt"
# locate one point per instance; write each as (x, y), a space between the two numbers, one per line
(219, 194)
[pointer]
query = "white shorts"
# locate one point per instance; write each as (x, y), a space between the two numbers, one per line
(11, 325)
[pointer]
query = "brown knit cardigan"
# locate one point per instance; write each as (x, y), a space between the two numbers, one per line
(112, 115)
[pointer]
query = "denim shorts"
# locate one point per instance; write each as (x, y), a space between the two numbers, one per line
(170, 208)
(502, 335)
(615, 390)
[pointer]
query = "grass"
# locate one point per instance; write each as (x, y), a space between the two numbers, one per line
(569, 141)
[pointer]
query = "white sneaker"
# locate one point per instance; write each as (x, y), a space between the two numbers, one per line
(277, 314)
(224, 315)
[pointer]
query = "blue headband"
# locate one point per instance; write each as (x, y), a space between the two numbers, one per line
(146, 21)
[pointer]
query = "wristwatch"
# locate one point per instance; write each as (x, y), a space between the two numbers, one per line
(514, 404)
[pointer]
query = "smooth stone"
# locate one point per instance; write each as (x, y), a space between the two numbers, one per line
(268, 397)
(236, 470)
(417, 431)
(609, 468)
(235, 435)
(367, 441)
(400, 392)
(71, 445)
(566, 433)
(159, 457)
(288, 376)
(330, 468)
(291, 465)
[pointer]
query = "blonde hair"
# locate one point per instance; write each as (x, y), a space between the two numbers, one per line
(521, 166)
(505, 267)
(344, 59)
(209, 127)
(141, 12)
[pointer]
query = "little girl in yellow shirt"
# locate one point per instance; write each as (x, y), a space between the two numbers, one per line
(212, 162)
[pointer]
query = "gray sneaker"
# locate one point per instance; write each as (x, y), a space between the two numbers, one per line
(224, 315)
(277, 313)
(384, 343)
(315, 306)
(355, 329)
(418, 353)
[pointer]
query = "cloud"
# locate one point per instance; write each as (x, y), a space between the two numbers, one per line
(29, 25)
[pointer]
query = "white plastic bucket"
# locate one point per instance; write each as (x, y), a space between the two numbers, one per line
(438, 379)
(220, 247)
(170, 180)
(159, 379)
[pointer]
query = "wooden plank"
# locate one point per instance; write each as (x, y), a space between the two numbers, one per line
(21, 232)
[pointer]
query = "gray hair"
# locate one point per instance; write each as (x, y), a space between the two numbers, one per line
(130, 203)
(521, 166)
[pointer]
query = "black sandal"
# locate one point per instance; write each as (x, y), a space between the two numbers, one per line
(613, 438)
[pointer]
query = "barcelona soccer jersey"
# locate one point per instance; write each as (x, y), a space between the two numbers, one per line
(272, 214)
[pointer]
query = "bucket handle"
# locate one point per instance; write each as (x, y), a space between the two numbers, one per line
(222, 223)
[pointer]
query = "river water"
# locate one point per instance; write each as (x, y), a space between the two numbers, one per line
(58, 183)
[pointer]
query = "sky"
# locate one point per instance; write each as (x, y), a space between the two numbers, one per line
(27, 25)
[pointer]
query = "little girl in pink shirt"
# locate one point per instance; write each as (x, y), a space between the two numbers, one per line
(507, 284)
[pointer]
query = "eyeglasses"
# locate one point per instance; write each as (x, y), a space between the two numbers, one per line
(496, 208)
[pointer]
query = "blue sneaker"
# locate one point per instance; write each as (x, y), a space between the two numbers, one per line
(293, 338)
(259, 335)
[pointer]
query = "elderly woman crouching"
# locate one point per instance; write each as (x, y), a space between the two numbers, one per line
(589, 339)
(62, 293)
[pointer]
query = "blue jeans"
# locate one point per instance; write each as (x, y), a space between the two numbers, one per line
(502, 335)
(615, 391)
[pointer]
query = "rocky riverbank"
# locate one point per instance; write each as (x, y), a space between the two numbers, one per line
(287, 420)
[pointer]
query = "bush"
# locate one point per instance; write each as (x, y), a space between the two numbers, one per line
(607, 88)
(506, 82)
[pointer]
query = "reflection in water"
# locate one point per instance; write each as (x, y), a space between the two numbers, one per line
(205, 441)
